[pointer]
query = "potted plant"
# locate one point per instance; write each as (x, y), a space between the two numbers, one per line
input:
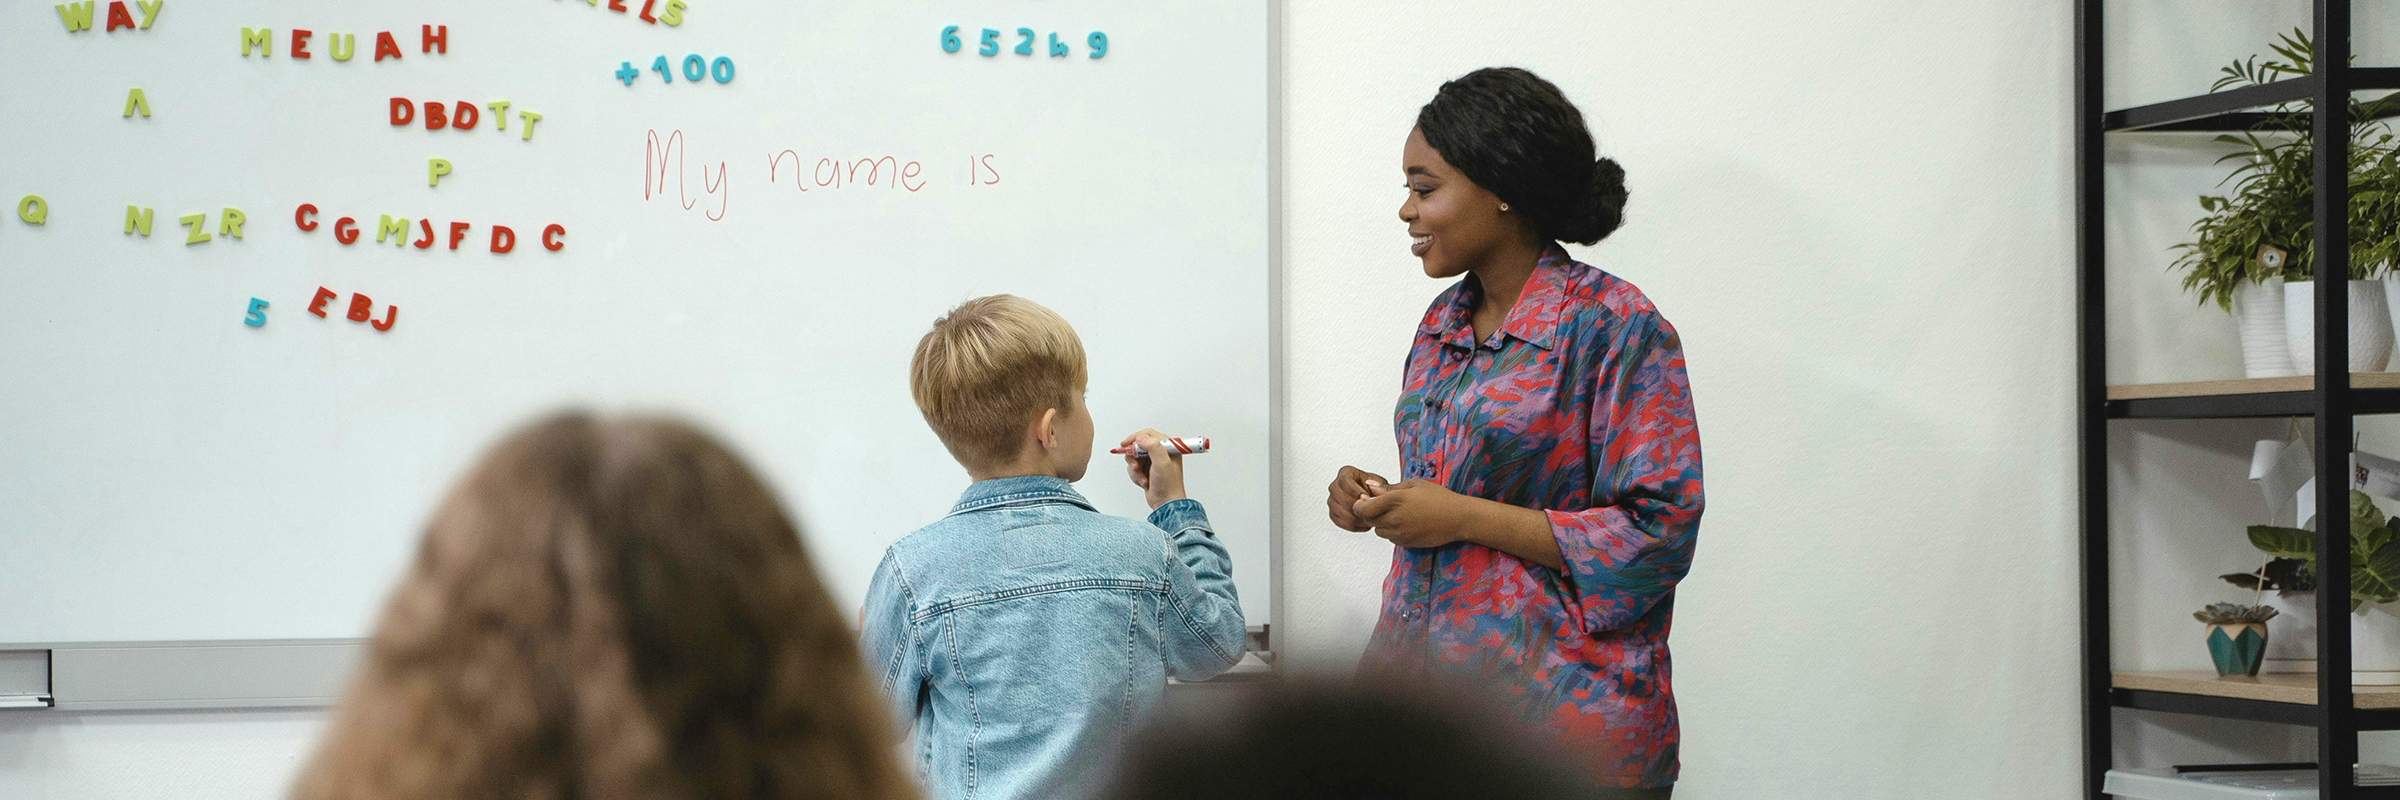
(2265, 227)
(2375, 210)
(2374, 584)
(2288, 586)
(2237, 636)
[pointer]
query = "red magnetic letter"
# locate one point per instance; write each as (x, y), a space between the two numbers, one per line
(403, 111)
(385, 47)
(458, 233)
(323, 295)
(645, 15)
(300, 42)
(464, 116)
(391, 314)
(425, 225)
(361, 307)
(616, 6)
(300, 217)
(343, 232)
(503, 239)
(434, 40)
(436, 116)
(117, 16)
(554, 238)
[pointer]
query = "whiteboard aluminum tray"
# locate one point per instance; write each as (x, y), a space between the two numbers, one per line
(2163, 783)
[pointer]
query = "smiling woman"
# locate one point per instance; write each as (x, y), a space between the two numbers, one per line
(1551, 462)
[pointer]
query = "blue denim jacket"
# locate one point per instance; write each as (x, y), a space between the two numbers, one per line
(1025, 634)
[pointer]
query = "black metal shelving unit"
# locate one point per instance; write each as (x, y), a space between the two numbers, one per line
(2332, 397)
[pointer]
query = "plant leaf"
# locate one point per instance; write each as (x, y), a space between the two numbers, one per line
(2284, 542)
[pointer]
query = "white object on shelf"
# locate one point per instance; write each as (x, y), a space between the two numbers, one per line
(2370, 326)
(2258, 314)
(2292, 634)
(2163, 783)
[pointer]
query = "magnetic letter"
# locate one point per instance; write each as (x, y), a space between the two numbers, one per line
(149, 11)
(198, 224)
(403, 111)
(503, 239)
(263, 39)
(342, 45)
(324, 295)
(554, 238)
(616, 6)
(33, 209)
(360, 306)
(435, 40)
(137, 219)
(436, 116)
(300, 216)
(134, 101)
(458, 233)
(257, 318)
(118, 17)
(530, 118)
(499, 112)
(391, 314)
(673, 16)
(78, 18)
(230, 223)
(300, 42)
(434, 170)
(425, 225)
(396, 228)
(645, 15)
(343, 230)
(385, 47)
(464, 116)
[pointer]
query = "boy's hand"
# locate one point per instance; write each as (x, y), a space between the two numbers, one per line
(1414, 513)
(1342, 496)
(1160, 475)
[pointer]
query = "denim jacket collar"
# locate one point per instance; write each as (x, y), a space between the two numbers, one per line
(1023, 490)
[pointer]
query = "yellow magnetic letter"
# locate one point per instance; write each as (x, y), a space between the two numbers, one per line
(674, 13)
(33, 209)
(436, 168)
(78, 18)
(397, 228)
(150, 11)
(137, 218)
(263, 38)
(134, 101)
(499, 112)
(198, 223)
(530, 118)
(342, 44)
(230, 223)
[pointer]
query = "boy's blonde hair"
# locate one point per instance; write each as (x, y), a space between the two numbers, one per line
(988, 368)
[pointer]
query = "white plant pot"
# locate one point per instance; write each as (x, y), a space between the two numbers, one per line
(2266, 353)
(2370, 326)
(2374, 646)
(2292, 634)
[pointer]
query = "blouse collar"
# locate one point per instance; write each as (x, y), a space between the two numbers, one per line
(1532, 321)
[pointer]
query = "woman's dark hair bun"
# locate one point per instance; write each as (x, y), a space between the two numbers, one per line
(1517, 136)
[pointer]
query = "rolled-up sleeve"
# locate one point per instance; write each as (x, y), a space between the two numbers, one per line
(1634, 542)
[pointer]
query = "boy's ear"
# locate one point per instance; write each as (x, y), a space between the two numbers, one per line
(1045, 429)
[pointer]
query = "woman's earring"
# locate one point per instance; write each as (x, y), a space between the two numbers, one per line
(1504, 206)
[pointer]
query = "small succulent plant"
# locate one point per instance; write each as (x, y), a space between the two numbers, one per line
(2233, 614)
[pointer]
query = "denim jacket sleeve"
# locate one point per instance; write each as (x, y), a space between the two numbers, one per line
(891, 640)
(1207, 632)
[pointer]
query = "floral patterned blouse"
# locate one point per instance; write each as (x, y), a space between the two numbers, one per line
(1577, 405)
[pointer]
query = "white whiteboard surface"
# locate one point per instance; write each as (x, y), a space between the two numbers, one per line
(170, 473)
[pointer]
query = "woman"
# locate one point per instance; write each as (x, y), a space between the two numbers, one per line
(609, 610)
(1551, 464)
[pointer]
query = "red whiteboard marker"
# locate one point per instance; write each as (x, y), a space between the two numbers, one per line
(1184, 445)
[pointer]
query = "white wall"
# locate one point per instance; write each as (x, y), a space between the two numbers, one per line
(1859, 216)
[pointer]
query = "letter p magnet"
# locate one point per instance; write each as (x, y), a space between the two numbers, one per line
(435, 169)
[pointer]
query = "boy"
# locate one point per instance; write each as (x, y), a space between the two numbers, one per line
(1026, 633)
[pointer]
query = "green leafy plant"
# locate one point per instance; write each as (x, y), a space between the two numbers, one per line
(2273, 188)
(2374, 551)
(2283, 576)
(2233, 614)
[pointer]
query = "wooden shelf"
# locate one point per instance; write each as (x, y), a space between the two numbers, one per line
(2282, 688)
(2371, 393)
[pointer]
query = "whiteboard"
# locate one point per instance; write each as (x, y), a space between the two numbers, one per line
(168, 471)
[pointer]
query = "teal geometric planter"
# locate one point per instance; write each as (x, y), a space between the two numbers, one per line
(2237, 649)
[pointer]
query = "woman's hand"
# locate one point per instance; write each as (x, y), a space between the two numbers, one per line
(1161, 474)
(1348, 487)
(1415, 513)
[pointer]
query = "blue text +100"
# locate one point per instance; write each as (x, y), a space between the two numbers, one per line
(695, 69)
